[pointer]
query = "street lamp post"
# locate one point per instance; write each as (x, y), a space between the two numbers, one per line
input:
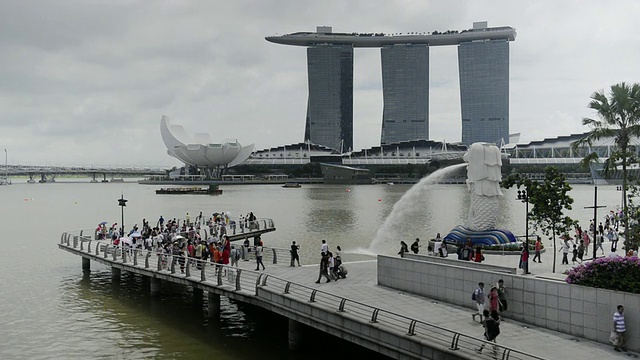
(122, 202)
(524, 197)
(595, 208)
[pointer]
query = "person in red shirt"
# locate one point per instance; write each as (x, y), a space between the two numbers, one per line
(524, 260)
(538, 249)
(478, 257)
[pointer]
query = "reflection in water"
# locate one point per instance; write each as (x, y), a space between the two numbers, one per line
(121, 320)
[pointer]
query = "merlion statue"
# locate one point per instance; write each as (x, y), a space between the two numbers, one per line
(483, 182)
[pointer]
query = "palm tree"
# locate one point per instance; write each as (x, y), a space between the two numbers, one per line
(619, 118)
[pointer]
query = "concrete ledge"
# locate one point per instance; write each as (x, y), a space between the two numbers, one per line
(456, 262)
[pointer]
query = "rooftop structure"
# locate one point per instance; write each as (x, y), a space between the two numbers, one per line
(324, 35)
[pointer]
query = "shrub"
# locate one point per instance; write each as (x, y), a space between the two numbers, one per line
(619, 273)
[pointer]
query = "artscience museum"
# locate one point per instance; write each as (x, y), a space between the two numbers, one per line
(199, 153)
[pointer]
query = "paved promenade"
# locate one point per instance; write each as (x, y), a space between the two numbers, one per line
(361, 285)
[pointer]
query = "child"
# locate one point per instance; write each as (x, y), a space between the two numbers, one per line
(575, 254)
(491, 324)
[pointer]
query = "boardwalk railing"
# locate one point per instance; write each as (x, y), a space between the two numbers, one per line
(235, 229)
(249, 282)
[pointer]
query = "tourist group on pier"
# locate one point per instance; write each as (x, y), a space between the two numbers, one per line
(191, 241)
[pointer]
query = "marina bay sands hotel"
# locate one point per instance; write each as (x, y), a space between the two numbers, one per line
(483, 60)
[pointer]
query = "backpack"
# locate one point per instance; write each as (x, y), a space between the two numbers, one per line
(474, 295)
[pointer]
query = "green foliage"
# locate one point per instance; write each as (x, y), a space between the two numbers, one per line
(549, 198)
(619, 273)
(632, 235)
(619, 118)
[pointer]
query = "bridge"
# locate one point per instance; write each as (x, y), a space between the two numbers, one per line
(358, 309)
(49, 173)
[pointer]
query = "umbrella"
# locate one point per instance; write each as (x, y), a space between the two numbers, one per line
(179, 237)
(103, 223)
(215, 214)
(126, 240)
(212, 240)
(135, 234)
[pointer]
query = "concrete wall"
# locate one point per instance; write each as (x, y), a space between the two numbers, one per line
(453, 260)
(577, 310)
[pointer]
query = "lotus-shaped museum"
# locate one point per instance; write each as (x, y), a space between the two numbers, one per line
(200, 151)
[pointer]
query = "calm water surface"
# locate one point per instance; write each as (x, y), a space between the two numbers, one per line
(51, 310)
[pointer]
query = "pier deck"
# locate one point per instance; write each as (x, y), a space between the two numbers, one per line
(356, 308)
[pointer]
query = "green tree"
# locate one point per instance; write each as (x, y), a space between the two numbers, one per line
(632, 235)
(619, 119)
(548, 198)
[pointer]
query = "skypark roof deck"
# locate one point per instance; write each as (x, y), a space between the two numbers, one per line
(373, 40)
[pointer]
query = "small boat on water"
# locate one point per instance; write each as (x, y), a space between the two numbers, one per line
(211, 190)
(291, 185)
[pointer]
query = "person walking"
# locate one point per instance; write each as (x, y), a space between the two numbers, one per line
(494, 299)
(403, 248)
(478, 299)
(324, 248)
(575, 255)
(565, 252)
(491, 325)
(619, 328)
(324, 265)
(524, 260)
(502, 296)
(613, 237)
(587, 241)
(581, 251)
(599, 243)
(538, 248)
(415, 247)
(294, 254)
(259, 262)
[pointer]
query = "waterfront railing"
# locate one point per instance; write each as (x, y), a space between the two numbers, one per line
(249, 282)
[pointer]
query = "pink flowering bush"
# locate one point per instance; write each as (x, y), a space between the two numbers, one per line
(619, 273)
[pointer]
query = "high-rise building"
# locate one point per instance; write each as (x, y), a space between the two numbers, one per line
(483, 55)
(484, 90)
(330, 105)
(405, 86)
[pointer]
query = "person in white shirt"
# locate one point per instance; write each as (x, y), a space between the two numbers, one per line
(259, 257)
(324, 248)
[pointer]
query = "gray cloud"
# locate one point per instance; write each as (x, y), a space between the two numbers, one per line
(86, 82)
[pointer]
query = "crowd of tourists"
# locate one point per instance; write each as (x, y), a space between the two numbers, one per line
(191, 241)
(578, 246)
(490, 305)
(331, 266)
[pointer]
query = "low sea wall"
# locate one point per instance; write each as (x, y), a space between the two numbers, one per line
(572, 309)
(454, 261)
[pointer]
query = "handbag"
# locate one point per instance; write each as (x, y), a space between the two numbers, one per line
(614, 338)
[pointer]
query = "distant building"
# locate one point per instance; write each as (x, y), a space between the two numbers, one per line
(330, 107)
(340, 174)
(484, 91)
(200, 153)
(405, 86)
(483, 54)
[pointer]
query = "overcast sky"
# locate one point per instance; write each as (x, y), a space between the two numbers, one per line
(86, 82)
